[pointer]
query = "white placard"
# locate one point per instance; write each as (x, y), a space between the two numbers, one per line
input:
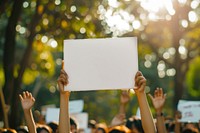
(190, 111)
(81, 119)
(52, 114)
(76, 106)
(100, 64)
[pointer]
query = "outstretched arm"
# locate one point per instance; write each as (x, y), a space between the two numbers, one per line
(27, 102)
(146, 115)
(158, 103)
(64, 123)
(119, 119)
(124, 99)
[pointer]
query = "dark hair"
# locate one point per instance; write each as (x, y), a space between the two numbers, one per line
(188, 131)
(53, 126)
(136, 123)
(73, 122)
(43, 127)
(92, 124)
(22, 129)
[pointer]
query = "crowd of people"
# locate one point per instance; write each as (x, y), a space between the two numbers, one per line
(119, 124)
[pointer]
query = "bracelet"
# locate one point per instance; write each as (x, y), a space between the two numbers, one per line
(159, 114)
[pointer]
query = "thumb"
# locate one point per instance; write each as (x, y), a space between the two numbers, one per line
(62, 64)
(151, 97)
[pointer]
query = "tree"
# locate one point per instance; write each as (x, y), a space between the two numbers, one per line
(52, 21)
(171, 33)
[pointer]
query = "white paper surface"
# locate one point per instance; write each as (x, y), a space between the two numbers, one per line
(80, 118)
(190, 111)
(76, 106)
(100, 64)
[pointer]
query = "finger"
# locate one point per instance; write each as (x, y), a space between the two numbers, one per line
(142, 82)
(138, 74)
(20, 97)
(161, 92)
(156, 92)
(63, 64)
(63, 79)
(30, 95)
(24, 95)
(63, 76)
(138, 79)
(164, 96)
(27, 94)
(33, 99)
(63, 72)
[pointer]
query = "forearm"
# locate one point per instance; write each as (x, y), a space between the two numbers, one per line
(177, 127)
(30, 121)
(122, 108)
(64, 124)
(146, 115)
(160, 122)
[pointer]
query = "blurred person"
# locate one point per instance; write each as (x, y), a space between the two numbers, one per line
(27, 102)
(7, 130)
(92, 125)
(42, 128)
(64, 120)
(101, 128)
(158, 101)
(73, 125)
(135, 125)
(22, 129)
(54, 126)
(120, 129)
(146, 115)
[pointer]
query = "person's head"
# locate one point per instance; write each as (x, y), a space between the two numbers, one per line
(92, 125)
(135, 125)
(22, 129)
(7, 130)
(43, 129)
(101, 128)
(73, 125)
(53, 126)
(119, 129)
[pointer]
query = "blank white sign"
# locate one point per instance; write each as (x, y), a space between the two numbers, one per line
(100, 64)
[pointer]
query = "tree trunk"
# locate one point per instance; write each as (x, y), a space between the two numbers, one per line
(178, 89)
(14, 119)
(9, 50)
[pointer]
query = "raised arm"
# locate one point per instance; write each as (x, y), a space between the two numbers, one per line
(64, 123)
(27, 102)
(119, 118)
(124, 99)
(146, 115)
(158, 101)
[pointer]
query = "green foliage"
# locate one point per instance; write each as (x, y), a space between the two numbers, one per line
(193, 78)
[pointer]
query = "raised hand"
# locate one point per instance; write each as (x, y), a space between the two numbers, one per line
(27, 100)
(62, 80)
(119, 119)
(158, 99)
(140, 83)
(125, 97)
